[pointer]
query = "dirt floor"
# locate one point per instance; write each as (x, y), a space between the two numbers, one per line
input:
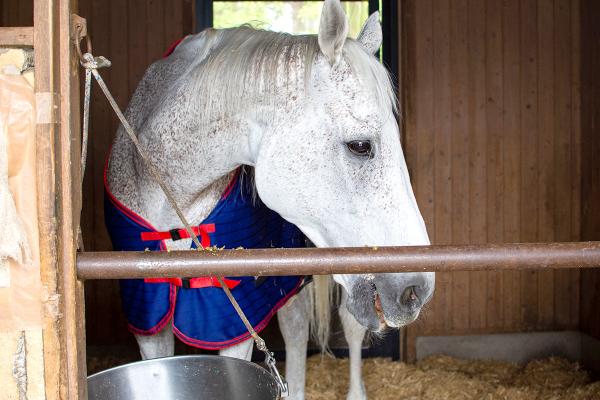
(437, 378)
(442, 377)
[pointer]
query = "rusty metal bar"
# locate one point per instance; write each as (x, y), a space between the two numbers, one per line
(117, 265)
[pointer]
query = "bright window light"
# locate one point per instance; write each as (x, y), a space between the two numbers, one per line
(298, 17)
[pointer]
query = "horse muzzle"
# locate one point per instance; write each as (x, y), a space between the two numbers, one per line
(381, 302)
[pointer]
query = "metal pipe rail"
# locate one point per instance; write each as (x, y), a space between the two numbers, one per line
(322, 261)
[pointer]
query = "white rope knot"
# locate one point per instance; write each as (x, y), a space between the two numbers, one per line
(90, 62)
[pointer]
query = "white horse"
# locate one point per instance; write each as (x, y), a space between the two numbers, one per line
(314, 117)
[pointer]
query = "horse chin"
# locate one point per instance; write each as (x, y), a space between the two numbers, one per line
(366, 307)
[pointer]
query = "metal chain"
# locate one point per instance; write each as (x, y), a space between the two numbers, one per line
(91, 65)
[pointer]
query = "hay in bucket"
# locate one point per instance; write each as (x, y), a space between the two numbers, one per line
(442, 377)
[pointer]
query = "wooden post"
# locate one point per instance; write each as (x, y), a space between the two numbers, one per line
(57, 99)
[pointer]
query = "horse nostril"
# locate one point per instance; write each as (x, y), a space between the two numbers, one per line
(409, 297)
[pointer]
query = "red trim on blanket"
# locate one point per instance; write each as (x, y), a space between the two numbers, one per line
(173, 47)
(201, 230)
(197, 283)
(228, 343)
(231, 184)
(163, 322)
(143, 222)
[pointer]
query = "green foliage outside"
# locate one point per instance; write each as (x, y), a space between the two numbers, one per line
(299, 17)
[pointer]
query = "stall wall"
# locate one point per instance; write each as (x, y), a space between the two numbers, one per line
(492, 136)
(16, 13)
(590, 190)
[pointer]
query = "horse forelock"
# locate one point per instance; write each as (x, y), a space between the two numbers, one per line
(246, 66)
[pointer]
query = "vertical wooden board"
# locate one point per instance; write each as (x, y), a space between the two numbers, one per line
(137, 11)
(173, 12)
(188, 13)
(25, 13)
(477, 156)
(416, 50)
(575, 275)
(421, 120)
(529, 162)
(101, 115)
(460, 154)
(562, 151)
(100, 134)
(545, 146)
(495, 163)
(11, 13)
(443, 151)
(511, 153)
(590, 190)
(155, 30)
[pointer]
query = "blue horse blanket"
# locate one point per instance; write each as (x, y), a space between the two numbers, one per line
(201, 314)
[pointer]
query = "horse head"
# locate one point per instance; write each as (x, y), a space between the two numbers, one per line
(333, 166)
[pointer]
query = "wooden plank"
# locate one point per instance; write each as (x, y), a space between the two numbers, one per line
(420, 123)
(495, 162)
(545, 146)
(46, 80)
(529, 159)
(477, 132)
(25, 12)
(590, 190)
(102, 116)
(562, 151)
(173, 12)
(511, 153)
(574, 276)
(69, 184)
(442, 142)
(459, 154)
(11, 14)
(16, 36)
(137, 11)
(155, 30)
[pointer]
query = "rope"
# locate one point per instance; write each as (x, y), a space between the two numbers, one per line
(91, 65)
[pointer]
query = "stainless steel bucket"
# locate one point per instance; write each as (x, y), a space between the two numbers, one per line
(202, 377)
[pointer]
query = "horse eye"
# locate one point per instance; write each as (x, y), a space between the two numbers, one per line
(360, 148)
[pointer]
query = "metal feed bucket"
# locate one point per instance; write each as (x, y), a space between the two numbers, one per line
(202, 377)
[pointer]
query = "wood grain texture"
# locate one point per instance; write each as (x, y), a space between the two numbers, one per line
(16, 36)
(505, 151)
(590, 161)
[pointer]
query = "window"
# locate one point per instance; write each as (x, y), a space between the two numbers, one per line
(295, 16)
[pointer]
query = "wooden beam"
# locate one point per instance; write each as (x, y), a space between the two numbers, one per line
(58, 186)
(69, 211)
(46, 78)
(16, 36)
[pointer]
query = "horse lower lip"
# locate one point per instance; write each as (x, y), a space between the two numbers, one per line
(379, 309)
(378, 303)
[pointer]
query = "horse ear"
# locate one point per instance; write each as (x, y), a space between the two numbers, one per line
(370, 35)
(333, 30)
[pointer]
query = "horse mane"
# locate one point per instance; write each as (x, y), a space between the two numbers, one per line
(247, 66)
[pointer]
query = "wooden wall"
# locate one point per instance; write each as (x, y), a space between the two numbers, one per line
(590, 190)
(16, 13)
(132, 34)
(492, 136)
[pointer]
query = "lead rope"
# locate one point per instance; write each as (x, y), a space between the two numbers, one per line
(91, 65)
